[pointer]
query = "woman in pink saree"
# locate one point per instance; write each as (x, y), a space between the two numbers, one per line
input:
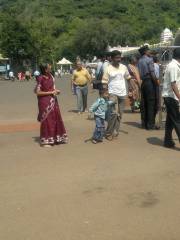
(134, 85)
(52, 130)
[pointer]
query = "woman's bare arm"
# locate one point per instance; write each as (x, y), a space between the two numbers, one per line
(41, 93)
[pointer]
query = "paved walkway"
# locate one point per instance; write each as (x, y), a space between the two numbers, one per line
(21, 127)
(127, 189)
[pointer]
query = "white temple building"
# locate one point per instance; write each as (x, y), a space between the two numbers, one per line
(166, 35)
(166, 39)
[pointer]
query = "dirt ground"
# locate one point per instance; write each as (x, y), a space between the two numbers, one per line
(127, 189)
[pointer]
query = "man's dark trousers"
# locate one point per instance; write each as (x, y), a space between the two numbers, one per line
(172, 119)
(148, 103)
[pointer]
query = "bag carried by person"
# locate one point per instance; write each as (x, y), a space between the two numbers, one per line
(97, 83)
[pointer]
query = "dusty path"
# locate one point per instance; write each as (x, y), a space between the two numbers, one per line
(122, 190)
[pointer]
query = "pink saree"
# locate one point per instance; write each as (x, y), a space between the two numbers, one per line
(52, 130)
(134, 87)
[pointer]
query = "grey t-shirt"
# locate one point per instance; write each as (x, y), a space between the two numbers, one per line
(146, 67)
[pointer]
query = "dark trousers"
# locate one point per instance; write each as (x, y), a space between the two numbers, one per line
(148, 103)
(172, 119)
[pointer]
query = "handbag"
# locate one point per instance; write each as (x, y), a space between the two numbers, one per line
(95, 85)
(97, 82)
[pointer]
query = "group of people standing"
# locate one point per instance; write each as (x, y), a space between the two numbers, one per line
(148, 69)
(114, 81)
(140, 82)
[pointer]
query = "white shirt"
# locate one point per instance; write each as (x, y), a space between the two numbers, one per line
(172, 74)
(157, 70)
(36, 73)
(116, 79)
(105, 65)
(8, 67)
(11, 74)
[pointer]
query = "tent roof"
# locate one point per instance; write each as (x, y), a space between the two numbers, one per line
(2, 58)
(64, 61)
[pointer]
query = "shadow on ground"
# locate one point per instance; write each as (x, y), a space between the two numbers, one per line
(130, 111)
(155, 141)
(36, 139)
(122, 131)
(133, 124)
(159, 142)
(73, 111)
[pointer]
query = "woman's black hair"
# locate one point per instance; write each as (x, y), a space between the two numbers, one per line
(155, 59)
(143, 50)
(132, 59)
(43, 67)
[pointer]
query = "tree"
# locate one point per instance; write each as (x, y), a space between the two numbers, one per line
(66, 28)
(91, 38)
(177, 38)
(15, 40)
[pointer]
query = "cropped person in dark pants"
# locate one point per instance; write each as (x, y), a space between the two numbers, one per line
(148, 89)
(171, 94)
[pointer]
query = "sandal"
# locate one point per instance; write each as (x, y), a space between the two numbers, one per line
(109, 138)
(46, 145)
(94, 141)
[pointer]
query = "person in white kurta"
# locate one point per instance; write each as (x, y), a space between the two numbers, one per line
(115, 78)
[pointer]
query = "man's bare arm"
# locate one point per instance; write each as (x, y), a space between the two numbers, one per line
(175, 90)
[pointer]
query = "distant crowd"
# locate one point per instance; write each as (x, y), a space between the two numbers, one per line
(23, 75)
(114, 81)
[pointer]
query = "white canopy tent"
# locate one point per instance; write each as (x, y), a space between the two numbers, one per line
(64, 66)
(64, 61)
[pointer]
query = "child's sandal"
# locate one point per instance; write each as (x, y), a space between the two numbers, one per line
(94, 141)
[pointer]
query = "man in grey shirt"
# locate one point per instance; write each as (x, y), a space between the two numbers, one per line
(148, 89)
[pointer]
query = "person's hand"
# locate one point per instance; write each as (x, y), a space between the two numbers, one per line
(57, 92)
(136, 81)
(157, 82)
(54, 92)
(105, 86)
(90, 115)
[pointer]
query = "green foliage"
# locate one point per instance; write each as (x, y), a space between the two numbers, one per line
(91, 37)
(43, 29)
(16, 41)
(177, 39)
